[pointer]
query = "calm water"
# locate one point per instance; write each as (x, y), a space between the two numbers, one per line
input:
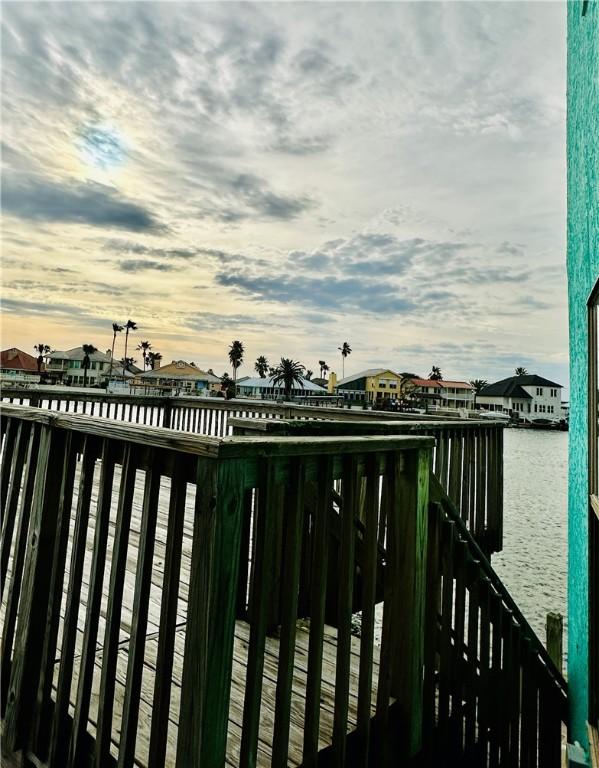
(533, 564)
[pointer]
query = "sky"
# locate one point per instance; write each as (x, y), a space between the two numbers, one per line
(293, 175)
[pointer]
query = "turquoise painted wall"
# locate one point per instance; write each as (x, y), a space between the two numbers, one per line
(583, 270)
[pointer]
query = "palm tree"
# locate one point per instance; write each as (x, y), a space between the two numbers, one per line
(345, 351)
(261, 366)
(322, 364)
(116, 328)
(236, 352)
(289, 372)
(309, 374)
(41, 349)
(325, 369)
(228, 386)
(435, 374)
(153, 358)
(144, 347)
(477, 385)
(521, 371)
(88, 349)
(130, 325)
(127, 362)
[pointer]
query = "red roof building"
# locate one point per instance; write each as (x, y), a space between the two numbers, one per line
(16, 360)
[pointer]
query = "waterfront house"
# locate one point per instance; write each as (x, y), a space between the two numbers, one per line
(530, 397)
(583, 295)
(266, 389)
(370, 385)
(67, 367)
(445, 394)
(178, 376)
(18, 367)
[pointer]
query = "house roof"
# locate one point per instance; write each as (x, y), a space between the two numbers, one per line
(179, 369)
(366, 374)
(531, 379)
(77, 353)
(426, 383)
(259, 383)
(16, 360)
(455, 384)
(506, 388)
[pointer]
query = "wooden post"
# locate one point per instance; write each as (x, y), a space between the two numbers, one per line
(208, 656)
(555, 630)
(411, 525)
(35, 592)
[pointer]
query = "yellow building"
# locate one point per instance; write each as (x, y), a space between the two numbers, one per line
(370, 386)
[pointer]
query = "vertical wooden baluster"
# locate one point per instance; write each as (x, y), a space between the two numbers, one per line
(505, 688)
(294, 507)
(445, 459)
(267, 524)
(481, 478)
(496, 678)
(63, 525)
(349, 513)
(60, 726)
(115, 600)
(528, 736)
(459, 668)
(34, 595)
(168, 617)
(433, 595)
(208, 655)
(499, 460)
(9, 512)
(514, 707)
(14, 588)
(485, 701)
(369, 576)
(94, 601)
(455, 469)
(473, 673)
(320, 542)
(7, 456)
(466, 449)
(448, 539)
(141, 597)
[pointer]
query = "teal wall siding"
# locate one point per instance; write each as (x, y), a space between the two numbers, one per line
(583, 270)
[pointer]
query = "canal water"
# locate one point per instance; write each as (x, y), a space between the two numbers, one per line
(533, 564)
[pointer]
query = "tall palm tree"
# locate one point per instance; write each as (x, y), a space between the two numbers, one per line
(116, 328)
(236, 352)
(325, 369)
(321, 365)
(144, 347)
(435, 374)
(88, 349)
(345, 351)
(289, 372)
(477, 385)
(130, 325)
(261, 366)
(42, 349)
(127, 362)
(521, 371)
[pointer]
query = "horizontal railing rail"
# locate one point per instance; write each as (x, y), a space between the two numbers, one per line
(467, 461)
(124, 571)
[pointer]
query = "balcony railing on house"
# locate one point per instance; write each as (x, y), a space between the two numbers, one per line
(166, 602)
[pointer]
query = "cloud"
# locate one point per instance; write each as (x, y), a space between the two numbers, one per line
(35, 198)
(127, 246)
(140, 265)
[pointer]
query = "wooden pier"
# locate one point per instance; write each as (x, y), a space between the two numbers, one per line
(173, 599)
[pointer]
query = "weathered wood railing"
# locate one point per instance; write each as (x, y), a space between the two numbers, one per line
(200, 415)
(492, 694)
(467, 461)
(74, 613)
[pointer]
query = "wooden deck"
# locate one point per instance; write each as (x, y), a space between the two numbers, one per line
(240, 655)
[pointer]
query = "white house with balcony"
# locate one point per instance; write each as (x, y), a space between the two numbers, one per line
(530, 397)
(67, 367)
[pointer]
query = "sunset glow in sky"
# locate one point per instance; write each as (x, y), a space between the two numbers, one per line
(291, 175)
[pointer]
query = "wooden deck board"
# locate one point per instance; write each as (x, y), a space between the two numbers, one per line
(240, 651)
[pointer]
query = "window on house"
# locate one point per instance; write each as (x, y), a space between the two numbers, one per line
(593, 472)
